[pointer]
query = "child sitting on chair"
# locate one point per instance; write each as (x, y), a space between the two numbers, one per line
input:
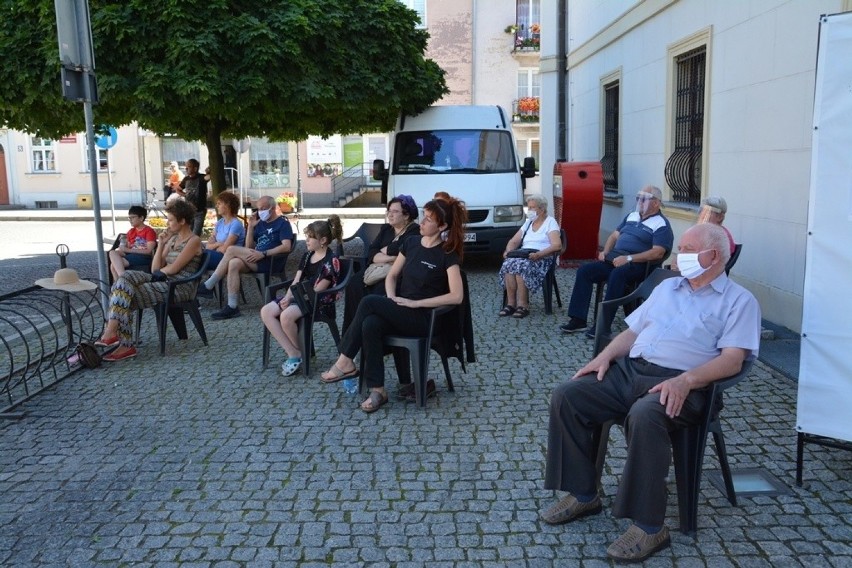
(319, 266)
(137, 247)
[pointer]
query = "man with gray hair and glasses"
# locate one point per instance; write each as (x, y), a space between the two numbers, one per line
(644, 236)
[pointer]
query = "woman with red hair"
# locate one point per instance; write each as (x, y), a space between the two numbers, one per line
(426, 274)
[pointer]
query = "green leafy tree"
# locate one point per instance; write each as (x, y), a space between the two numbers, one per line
(204, 70)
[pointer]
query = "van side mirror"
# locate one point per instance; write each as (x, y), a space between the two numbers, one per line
(379, 171)
(528, 170)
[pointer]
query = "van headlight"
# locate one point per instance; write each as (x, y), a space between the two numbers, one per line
(508, 213)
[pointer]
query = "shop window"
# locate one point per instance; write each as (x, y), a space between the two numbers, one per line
(269, 164)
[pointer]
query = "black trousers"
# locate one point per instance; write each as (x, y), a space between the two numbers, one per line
(378, 316)
(578, 407)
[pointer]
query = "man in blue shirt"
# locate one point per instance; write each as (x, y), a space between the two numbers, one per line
(269, 233)
(692, 330)
(644, 236)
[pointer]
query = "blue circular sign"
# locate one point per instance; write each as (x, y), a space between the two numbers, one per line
(107, 142)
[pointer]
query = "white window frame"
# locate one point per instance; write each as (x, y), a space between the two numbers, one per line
(45, 149)
(528, 143)
(103, 156)
(533, 15)
(418, 6)
(532, 90)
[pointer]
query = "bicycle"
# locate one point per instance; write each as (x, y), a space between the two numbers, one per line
(154, 206)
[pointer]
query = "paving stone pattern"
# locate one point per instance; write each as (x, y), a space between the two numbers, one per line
(201, 458)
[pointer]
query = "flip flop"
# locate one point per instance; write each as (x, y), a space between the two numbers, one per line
(337, 375)
(377, 400)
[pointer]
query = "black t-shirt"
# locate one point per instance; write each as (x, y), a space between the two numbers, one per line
(424, 274)
(311, 271)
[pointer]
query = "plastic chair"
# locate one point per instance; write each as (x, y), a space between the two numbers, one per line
(689, 443)
(631, 286)
(733, 260)
(175, 310)
(306, 323)
(446, 320)
(367, 232)
(550, 285)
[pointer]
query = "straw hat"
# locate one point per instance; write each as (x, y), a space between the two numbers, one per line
(66, 279)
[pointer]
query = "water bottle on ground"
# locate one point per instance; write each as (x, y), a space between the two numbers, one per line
(350, 386)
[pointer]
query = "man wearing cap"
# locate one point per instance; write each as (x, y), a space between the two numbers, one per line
(644, 236)
(713, 210)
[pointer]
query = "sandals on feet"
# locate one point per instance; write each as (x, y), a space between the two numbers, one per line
(291, 366)
(506, 311)
(521, 312)
(376, 400)
(335, 374)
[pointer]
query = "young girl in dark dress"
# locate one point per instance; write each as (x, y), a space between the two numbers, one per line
(321, 266)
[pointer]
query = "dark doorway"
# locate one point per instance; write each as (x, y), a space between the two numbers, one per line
(232, 180)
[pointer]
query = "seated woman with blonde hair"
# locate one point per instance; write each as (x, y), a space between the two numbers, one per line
(425, 275)
(520, 276)
(319, 266)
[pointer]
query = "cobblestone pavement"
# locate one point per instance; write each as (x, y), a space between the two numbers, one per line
(202, 458)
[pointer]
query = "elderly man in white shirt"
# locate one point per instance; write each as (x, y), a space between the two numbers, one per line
(693, 330)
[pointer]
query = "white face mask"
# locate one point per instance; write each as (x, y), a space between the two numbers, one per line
(263, 215)
(532, 215)
(687, 263)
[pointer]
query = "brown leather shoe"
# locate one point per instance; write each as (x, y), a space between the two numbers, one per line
(636, 545)
(569, 509)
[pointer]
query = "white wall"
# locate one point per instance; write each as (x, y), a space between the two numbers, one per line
(762, 61)
(70, 177)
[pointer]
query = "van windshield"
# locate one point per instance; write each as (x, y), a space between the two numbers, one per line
(454, 151)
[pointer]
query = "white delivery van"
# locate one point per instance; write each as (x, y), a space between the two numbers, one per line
(469, 152)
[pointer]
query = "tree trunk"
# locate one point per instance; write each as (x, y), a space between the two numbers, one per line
(217, 161)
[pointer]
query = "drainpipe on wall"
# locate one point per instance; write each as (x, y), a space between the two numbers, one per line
(561, 82)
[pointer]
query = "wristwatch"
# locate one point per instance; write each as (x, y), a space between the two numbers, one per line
(629, 258)
(264, 254)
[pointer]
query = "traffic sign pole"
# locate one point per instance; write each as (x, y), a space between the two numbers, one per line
(106, 143)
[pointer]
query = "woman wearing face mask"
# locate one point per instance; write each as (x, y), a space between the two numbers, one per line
(520, 276)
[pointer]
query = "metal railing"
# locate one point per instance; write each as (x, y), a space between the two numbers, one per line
(526, 109)
(39, 331)
(350, 181)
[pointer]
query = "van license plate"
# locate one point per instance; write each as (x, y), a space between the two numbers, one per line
(470, 237)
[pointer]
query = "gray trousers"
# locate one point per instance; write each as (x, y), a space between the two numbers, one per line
(198, 222)
(578, 407)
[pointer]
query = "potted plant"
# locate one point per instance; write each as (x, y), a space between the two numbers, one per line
(286, 202)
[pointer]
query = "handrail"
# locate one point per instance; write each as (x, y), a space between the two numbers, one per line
(350, 180)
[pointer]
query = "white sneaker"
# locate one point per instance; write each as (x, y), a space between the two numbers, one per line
(290, 367)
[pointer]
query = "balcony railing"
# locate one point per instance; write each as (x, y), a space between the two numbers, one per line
(527, 39)
(526, 109)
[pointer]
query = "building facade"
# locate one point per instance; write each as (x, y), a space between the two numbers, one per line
(701, 98)
(490, 51)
